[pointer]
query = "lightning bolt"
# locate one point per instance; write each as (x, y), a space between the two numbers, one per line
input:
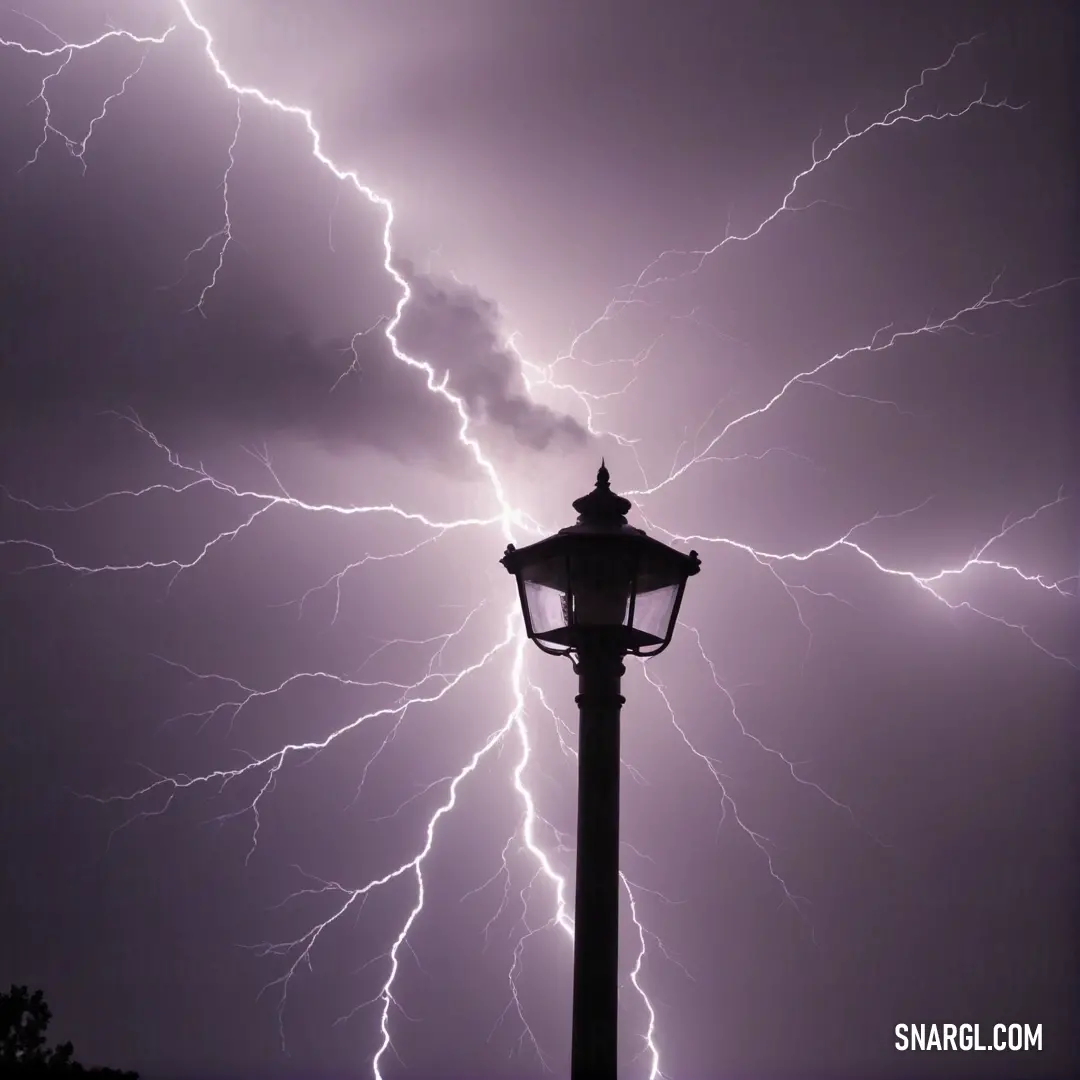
(533, 835)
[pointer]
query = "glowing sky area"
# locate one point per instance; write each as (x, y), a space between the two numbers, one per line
(308, 309)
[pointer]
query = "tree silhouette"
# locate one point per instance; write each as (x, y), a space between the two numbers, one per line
(23, 1053)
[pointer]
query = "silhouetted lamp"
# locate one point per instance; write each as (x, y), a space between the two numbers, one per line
(601, 577)
(596, 591)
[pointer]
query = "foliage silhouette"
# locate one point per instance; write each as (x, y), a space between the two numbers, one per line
(23, 1053)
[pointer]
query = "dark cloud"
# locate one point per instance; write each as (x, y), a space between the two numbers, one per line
(455, 323)
(255, 367)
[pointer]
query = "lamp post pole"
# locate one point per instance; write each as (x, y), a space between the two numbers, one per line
(594, 1039)
(594, 592)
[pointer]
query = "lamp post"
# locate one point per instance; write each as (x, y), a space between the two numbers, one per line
(595, 592)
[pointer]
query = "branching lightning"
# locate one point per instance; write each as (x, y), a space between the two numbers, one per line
(532, 834)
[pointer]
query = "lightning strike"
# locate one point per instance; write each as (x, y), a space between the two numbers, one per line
(533, 833)
(224, 234)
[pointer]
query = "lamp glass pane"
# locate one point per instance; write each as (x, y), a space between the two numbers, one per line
(547, 567)
(653, 611)
(547, 607)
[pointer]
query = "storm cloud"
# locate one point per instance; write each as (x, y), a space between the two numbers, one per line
(256, 368)
(457, 324)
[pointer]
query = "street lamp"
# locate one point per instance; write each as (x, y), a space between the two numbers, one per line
(594, 592)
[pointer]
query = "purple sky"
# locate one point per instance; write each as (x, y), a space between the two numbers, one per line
(239, 524)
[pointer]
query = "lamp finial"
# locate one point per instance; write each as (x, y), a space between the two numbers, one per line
(602, 506)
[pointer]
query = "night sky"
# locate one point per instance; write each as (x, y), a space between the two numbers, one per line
(254, 636)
